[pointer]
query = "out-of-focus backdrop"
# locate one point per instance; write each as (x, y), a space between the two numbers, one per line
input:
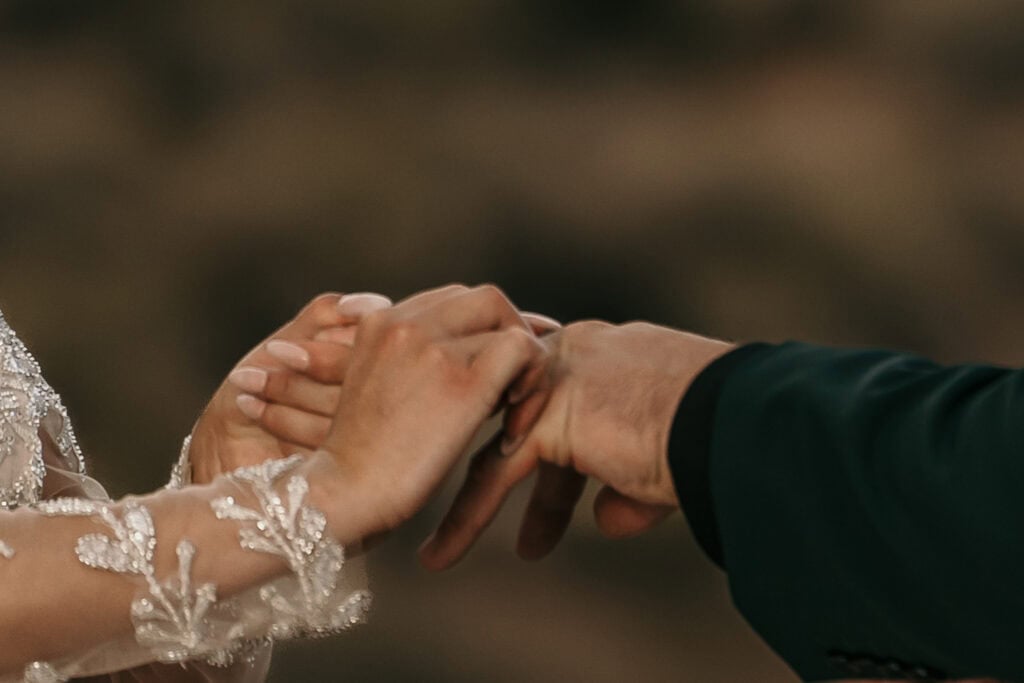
(176, 179)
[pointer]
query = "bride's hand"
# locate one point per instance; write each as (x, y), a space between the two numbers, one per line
(421, 380)
(236, 430)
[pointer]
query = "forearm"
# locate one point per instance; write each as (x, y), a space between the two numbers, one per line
(47, 577)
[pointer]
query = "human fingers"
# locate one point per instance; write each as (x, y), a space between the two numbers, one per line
(289, 388)
(351, 307)
(619, 516)
(541, 324)
(477, 310)
(321, 311)
(338, 335)
(359, 307)
(324, 362)
(550, 510)
(497, 366)
(489, 479)
(284, 422)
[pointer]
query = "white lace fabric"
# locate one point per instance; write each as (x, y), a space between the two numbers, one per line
(176, 620)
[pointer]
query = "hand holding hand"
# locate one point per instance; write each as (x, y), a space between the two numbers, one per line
(236, 429)
(421, 380)
(602, 406)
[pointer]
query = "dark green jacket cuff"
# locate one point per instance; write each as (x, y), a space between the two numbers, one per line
(689, 448)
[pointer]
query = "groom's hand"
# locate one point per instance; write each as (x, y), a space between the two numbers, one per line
(602, 406)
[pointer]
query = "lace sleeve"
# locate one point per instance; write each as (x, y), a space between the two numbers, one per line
(178, 619)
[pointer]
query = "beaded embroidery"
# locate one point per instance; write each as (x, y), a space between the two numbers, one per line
(296, 532)
(41, 672)
(172, 619)
(26, 400)
(6, 551)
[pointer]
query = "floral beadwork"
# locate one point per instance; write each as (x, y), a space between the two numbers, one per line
(172, 619)
(27, 403)
(296, 532)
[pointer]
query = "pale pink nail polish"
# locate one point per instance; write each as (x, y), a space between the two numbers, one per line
(356, 305)
(295, 357)
(543, 320)
(249, 379)
(251, 406)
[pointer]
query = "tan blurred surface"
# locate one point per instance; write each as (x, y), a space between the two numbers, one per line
(176, 179)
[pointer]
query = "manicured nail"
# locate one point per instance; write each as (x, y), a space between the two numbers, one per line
(249, 379)
(338, 335)
(251, 406)
(510, 444)
(295, 357)
(356, 305)
(543, 320)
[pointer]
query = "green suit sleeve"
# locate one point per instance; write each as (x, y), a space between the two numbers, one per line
(868, 507)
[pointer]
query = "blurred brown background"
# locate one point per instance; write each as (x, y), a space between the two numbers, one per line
(178, 178)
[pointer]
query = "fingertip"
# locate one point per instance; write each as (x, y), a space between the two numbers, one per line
(428, 555)
(532, 549)
(249, 379)
(362, 303)
(541, 324)
(289, 353)
(250, 406)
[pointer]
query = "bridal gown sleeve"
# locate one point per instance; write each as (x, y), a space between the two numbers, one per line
(209, 575)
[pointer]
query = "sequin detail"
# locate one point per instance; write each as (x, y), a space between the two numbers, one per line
(26, 401)
(6, 551)
(181, 473)
(296, 532)
(172, 620)
(41, 672)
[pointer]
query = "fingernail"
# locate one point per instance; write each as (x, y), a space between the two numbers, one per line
(250, 380)
(251, 406)
(510, 444)
(543, 319)
(356, 305)
(295, 357)
(338, 335)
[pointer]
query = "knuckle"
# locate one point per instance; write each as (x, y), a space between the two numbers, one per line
(373, 323)
(322, 307)
(401, 333)
(279, 385)
(492, 294)
(519, 339)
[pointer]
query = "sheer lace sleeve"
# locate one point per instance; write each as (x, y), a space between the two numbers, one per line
(207, 576)
(263, 543)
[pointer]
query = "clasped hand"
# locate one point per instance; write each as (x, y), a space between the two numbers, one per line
(392, 396)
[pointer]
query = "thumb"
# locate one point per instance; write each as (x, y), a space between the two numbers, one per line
(618, 516)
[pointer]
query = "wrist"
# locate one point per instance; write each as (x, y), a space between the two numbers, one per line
(341, 496)
(694, 355)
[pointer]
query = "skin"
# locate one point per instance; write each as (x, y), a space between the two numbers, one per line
(450, 353)
(599, 404)
(226, 438)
